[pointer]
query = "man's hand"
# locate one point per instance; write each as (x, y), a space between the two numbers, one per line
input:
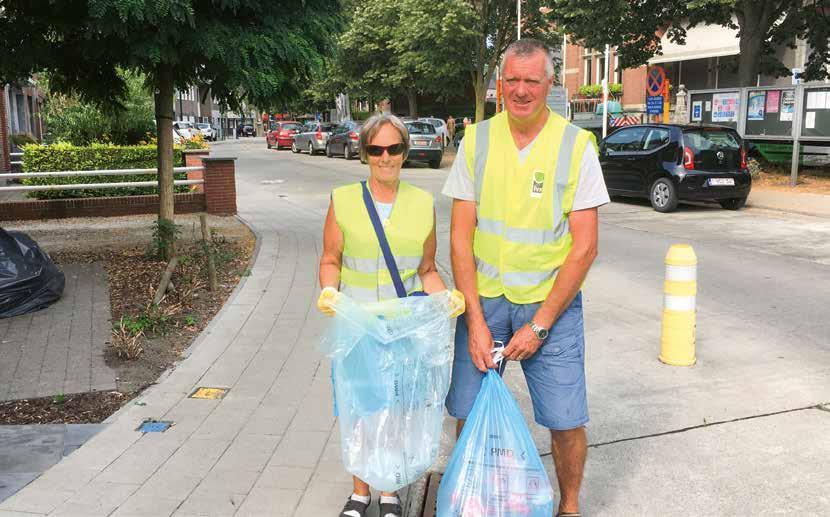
(327, 301)
(523, 345)
(479, 344)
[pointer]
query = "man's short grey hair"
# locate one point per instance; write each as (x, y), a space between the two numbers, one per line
(526, 48)
(372, 126)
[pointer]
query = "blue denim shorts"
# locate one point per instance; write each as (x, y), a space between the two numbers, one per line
(555, 374)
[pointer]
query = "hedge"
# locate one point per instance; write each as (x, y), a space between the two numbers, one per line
(68, 157)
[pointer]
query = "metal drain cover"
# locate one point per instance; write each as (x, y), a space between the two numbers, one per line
(209, 393)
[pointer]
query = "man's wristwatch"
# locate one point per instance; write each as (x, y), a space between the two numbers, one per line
(541, 332)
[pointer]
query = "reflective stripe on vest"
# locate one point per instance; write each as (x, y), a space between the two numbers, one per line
(381, 292)
(523, 274)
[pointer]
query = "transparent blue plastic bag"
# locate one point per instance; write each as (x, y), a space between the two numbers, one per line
(391, 365)
(495, 469)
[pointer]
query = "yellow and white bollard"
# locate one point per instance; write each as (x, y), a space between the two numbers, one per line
(677, 343)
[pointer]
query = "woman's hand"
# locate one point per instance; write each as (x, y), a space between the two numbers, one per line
(457, 303)
(328, 300)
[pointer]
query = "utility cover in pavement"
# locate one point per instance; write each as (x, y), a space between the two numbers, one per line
(154, 426)
(209, 393)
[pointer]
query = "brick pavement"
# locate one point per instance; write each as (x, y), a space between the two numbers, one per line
(269, 447)
(60, 349)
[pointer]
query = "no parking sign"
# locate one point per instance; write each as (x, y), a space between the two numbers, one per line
(655, 87)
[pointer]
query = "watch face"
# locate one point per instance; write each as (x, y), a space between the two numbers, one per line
(542, 334)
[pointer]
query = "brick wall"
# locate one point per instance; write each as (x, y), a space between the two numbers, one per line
(193, 158)
(5, 166)
(96, 207)
(220, 186)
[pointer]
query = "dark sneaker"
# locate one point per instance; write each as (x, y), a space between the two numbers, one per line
(354, 508)
(390, 509)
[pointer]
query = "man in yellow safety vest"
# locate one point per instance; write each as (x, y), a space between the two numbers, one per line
(526, 185)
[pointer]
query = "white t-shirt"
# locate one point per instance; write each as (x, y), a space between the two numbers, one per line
(590, 188)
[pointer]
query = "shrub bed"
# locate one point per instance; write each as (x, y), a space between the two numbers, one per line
(68, 157)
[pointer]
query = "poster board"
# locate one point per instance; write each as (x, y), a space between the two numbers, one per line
(770, 112)
(816, 113)
(725, 100)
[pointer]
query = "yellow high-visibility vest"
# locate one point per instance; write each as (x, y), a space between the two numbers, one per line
(363, 273)
(522, 235)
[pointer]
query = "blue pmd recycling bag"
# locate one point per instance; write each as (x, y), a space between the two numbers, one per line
(391, 368)
(495, 469)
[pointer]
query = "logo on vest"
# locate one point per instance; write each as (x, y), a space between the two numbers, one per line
(538, 184)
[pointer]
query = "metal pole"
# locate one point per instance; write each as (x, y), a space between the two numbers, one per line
(519, 19)
(605, 93)
(798, 109)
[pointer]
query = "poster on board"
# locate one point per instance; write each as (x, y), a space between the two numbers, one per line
(708, 106)
(787, 106)
(755, 105)
(697, 111)
(773, 99)
(725, 107)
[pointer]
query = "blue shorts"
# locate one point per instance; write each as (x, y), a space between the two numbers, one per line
(555, 374)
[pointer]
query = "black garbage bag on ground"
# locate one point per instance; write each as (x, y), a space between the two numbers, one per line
(29, 280)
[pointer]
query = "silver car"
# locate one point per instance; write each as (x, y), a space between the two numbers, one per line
(425, 144)
(440, 128)
(312, 137)
(207, 131)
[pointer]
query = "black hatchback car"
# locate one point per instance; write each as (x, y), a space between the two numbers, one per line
(668, 162)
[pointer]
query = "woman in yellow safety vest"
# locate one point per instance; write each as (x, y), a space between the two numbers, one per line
(352, 261)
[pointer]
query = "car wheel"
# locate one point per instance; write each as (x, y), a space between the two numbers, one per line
(347, 152)
(328, 151)
(434, 164)
(663, 195)
(294, 148)
(736, 203)
(310, 149)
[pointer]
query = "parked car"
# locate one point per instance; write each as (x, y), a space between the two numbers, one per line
(344, 139)
(440, 128)
(185, 129)
(177, 138)
(425, 144)
(247, 130)
(206, 130)
(282, 134)
(669, 162)
(312, 137)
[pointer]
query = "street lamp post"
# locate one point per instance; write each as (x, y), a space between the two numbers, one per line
(605, 93)
(519, 19)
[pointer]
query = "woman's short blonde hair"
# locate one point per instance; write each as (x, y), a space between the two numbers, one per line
(371, 128)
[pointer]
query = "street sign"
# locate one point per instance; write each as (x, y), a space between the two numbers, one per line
(654, 105)
(655, 88)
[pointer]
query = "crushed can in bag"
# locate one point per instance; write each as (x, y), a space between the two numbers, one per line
(495, 469)
(391, 365)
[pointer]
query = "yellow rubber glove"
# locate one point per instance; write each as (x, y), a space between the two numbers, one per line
(457, 303)
(328, 300)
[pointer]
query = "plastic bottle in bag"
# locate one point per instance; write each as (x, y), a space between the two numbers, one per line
(391, 367)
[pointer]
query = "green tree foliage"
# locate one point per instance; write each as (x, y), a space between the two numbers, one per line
(635, 28)
(411, 46)
(257, 50)
(404, 47)
(70, 119)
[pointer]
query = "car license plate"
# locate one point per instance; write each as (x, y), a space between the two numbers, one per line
(721, 182)
(421, 142)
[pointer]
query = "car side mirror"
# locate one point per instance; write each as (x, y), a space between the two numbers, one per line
(602, 149)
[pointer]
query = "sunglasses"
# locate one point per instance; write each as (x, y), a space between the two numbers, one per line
(377, 150)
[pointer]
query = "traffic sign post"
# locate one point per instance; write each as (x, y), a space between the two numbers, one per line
(655, 90)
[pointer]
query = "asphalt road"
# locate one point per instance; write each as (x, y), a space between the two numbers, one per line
(743, 432)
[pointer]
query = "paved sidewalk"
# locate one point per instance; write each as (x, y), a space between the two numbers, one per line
(60, 349)
(796, 202)
(268, 448)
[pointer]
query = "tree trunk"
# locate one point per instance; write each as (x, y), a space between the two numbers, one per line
(413, 103)
(480, 94)
(164, 123)
(750, 45)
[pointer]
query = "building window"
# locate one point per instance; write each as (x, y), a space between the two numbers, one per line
(589, 66)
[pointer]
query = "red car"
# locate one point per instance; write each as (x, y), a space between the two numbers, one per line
(282, 134)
